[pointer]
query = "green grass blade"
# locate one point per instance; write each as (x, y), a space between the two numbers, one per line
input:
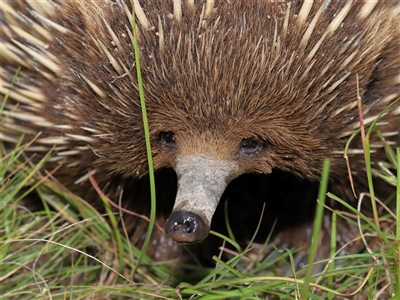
(317, 226)
(148, 145)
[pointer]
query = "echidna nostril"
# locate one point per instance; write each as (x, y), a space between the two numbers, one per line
(186, 227)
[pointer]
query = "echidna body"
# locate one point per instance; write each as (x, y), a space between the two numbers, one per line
(231, 87)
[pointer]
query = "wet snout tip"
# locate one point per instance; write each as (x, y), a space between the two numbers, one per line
(186, 227)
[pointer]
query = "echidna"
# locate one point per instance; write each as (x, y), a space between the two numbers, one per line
(233, 89)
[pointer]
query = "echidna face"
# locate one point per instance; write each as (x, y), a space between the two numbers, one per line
(203, 174)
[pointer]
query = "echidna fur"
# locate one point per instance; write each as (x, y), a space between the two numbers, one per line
(233, 89)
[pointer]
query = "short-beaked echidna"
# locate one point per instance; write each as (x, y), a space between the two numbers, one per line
(232, 88)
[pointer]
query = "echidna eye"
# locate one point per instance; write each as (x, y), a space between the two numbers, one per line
(167, 139)
(250, 146)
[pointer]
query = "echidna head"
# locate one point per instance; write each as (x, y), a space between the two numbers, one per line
(212, 130)
(223, 99)
(218, 100)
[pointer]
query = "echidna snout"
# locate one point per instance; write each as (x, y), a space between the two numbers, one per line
(201, 183)
(186, 227)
